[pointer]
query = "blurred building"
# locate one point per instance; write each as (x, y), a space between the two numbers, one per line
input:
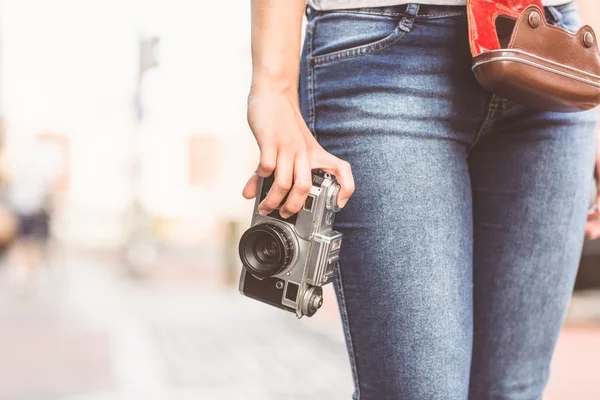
(77, 81)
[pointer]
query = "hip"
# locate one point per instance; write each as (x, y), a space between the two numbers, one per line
(369, 69)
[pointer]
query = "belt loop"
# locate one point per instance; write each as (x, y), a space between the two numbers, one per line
(412, 10)
(308, 11)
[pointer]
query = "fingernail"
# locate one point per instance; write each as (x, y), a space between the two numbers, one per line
(284, 215)
(342, 203)
(262, 212)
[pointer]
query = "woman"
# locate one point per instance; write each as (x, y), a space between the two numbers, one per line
(463, 236)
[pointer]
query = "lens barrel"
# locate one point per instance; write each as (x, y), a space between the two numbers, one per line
(266, 250)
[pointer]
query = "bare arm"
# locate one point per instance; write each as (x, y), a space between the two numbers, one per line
(590, 11)
(287, 147)
(276, 27)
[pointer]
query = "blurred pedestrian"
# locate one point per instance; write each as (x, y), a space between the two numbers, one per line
(8, 220)
(33, 174)
(8, 225)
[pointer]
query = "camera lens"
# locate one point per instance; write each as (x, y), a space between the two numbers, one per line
(265, 250)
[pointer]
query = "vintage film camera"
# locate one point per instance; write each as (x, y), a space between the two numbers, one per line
(287, 261)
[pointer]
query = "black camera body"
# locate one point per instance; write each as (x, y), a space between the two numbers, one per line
(286, 262)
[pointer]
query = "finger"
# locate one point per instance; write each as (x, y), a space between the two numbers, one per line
(588, 234)
(592, 230)
(592, 227)
(300, 188)
(268, 161)
(281, 185)
(251, 187)
(342, 171)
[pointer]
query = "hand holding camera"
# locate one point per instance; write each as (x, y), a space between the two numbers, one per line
(288, 260)
(290, 250)
(289, 150)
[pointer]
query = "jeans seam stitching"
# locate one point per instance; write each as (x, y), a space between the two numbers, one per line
(311, 86)
(401, 14)
(346, 325)
(350, 54)
(491, 112)
(450, 14)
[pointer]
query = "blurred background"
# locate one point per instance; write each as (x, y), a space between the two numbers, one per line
(123, 151)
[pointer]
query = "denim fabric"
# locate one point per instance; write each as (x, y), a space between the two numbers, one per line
(462, 239)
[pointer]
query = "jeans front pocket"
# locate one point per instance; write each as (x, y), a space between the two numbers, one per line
(340, 35)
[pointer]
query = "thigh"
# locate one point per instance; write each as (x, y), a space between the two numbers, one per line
(405, 281)
(531, 179)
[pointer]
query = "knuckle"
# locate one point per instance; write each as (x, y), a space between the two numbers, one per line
(346, 167)
(259, 132)
(283, 184)
(267, 165)
(270, 204)
(296, 209)
(351, 185)
(293, 207)
(351, 188)
(285, 212)
(303, 186)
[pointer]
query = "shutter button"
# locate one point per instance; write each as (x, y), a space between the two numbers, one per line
(534, 20)
(588, 39)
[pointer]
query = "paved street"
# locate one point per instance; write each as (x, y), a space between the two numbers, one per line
(85, 331)
(90, 333)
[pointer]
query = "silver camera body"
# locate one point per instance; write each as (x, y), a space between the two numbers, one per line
(287, 261)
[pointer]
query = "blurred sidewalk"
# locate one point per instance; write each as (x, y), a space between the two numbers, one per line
(85, 331)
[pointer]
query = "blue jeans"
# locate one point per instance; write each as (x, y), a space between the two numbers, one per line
(463, 237)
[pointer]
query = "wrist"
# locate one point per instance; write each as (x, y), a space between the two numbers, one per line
(271, 83)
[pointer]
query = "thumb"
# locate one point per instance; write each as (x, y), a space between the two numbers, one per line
(340, 169)
(251, 187)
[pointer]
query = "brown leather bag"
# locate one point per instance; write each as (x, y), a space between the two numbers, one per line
(519, 56)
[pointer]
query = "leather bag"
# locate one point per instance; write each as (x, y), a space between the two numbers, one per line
(519, 56)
